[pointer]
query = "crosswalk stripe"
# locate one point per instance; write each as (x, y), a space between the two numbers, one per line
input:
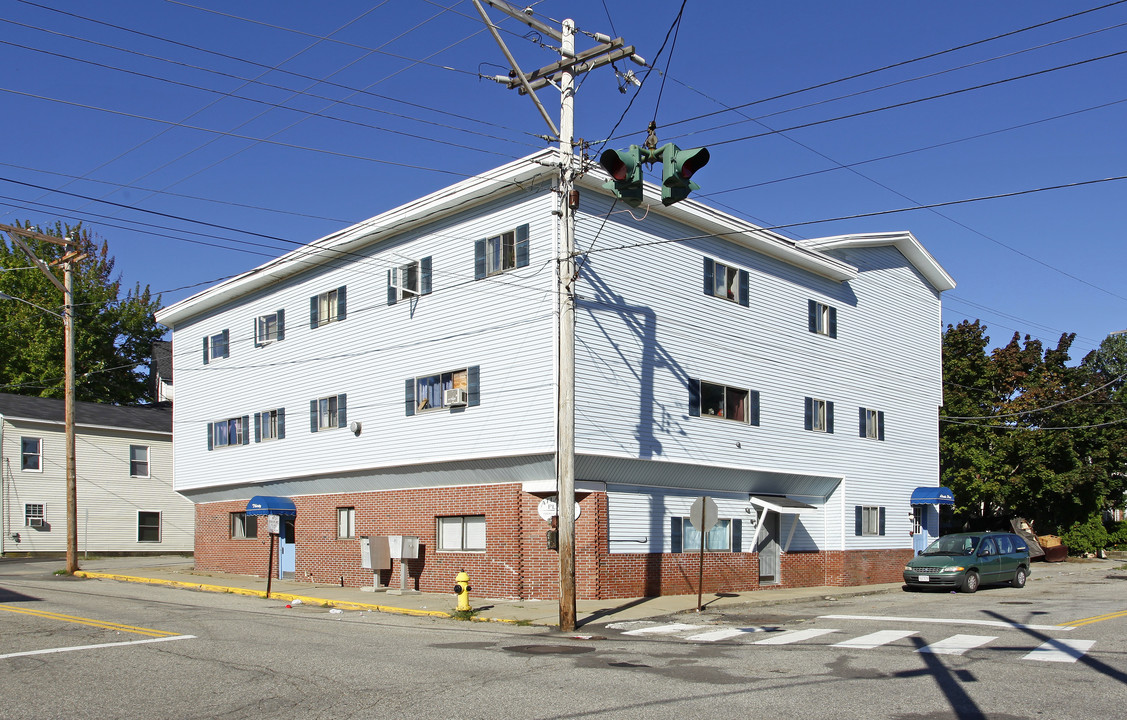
(1060, 650)
(876, 639)
(957, 644)
(715, 635)
(663, 629)
(793, 636)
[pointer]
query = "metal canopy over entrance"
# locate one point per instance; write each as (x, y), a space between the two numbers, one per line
(780, 505)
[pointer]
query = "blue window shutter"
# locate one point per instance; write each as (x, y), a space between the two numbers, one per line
(737, 535)
(206, 356)
(281, 324)
(522, 246)
(880, 425)
(226, 343)
(833, 322)
(709, 273)
(258, 427)
(342, 304)
(254, 332)
(312, 416)
(424, 276)
(473, 383)
(210, 434)
(409, 396)
(342, 410)
(478, 259)
(863, 415)
(812, 315)
(246, 430)
(753, 407)
(392, 294)
(675, 535)
(857, 523)
(881, 530)
(281, 423)
(694, 397)
(829, 417)
(744, 300)
(313, 313)
(809, 413)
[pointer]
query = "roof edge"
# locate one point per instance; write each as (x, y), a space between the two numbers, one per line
(903, 240)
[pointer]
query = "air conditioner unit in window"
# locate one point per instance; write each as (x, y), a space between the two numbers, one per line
(35, 522)
(454, 397)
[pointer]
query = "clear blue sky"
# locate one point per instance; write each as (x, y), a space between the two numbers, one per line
(294, 119)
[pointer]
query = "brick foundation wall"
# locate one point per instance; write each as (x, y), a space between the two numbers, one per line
(866, 567)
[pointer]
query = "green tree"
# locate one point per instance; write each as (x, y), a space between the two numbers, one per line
(113, 334)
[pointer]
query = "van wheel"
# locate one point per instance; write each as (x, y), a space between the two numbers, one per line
(970, 582)
(1019, 578)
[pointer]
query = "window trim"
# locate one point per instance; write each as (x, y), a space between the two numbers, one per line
(274, 418)
(38, 455)
(696, 401)
(28, 516)
(472, 388)
(262, 337)
(821, 318)
(871, 424)
(159, 526)
(336, 301)
(677, 543)
(210, 346)
(148, 469)
(741, 277)
(242, 424)
(483, 254)
(336, 411)
(865, 516)
(238, 520)
(462, 548)
(820, 422)
(346, 523)
(399, 280)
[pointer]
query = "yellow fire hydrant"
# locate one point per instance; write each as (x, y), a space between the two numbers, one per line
(462, 590)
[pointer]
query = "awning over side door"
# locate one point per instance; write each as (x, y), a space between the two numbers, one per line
(783, 506)
(933, 496)
(270, 505)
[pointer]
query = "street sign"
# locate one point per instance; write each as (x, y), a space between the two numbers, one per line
(703, 514)
(273, 524)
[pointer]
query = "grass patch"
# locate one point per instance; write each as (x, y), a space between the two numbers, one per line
(61, 572)
(464, 614)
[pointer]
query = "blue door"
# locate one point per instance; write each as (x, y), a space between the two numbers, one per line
(286, 555)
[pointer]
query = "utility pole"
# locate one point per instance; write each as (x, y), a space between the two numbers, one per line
(67, 287)
(561, 75)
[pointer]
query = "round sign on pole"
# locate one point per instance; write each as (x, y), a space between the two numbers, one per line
(703, 514)
(548, 508)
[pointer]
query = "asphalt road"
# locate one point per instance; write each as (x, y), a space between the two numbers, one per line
(103, 649)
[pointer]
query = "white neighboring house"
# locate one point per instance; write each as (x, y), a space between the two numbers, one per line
(123, 458)
(398, 377)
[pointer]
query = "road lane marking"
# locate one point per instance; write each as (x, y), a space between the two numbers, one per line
(1060, 651)
(793, 636)
(89, 621)
(957, 644)
(715, 635)
(1099, 618)
(950, 621)
(49, 651)
(872, 640)
(663, 629)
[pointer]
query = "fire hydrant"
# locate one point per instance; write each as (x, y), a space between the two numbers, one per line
(462, 590)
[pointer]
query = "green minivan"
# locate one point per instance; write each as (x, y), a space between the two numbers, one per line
(966, 560)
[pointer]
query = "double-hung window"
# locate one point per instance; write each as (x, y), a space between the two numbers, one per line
(868, 520)
(501, 253)
(708, 399)
(148, 526)
(243, 526)
(346, 522)
(328, 307)
(328, 412)
(270, 328)
(270, 425)
(871, 424)
(139, 461)
(725, 536)
(451, 389)
(31, 454)
(464, 533)
(225, 433)
(725, 281)
(819, 415)
(410, 280)
(35, 515)
(216, 346)
(821, 318)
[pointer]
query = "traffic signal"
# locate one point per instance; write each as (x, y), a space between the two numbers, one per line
(625, 168)
(677, 166)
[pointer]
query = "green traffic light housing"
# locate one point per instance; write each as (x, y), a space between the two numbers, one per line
(625, 168)
(677, 167)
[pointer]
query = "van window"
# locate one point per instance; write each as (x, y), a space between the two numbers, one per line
(1005, 545)
(986, 547)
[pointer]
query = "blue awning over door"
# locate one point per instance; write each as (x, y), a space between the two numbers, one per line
(270, 505)
(933, 496)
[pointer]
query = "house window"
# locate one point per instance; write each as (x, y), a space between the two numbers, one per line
(243, 526)
(869, 520)
(346, 522)
(224, 433)
(139, 461)
(819, 415)
(31, 454)
(410, 280)
(433, 391)
(327, 307)
(501, 253)
(270, 328)
(327, 413)
(148, 526)
(721, 401)
(822, 319)
(270, 425)
(871, 424)
(462, 533)
(725, 536)
(725, 281)
(35, 515)
(216, 346)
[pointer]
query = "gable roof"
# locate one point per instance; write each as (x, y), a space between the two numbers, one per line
(150, 418)
(903, 241)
